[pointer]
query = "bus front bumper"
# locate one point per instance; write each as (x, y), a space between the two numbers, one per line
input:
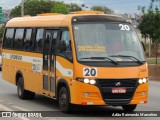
(92, 95)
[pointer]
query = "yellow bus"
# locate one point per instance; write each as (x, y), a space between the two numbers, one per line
(83, 58)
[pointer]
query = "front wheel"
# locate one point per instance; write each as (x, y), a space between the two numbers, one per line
(22, 93)
(64, 103)
(129, 108)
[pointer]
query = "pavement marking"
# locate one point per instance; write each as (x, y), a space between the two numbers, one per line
(20, 108)
(5, 108)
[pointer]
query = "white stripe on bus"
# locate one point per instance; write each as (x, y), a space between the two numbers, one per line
(28, 59)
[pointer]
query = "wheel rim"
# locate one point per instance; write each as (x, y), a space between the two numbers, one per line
(63, 100)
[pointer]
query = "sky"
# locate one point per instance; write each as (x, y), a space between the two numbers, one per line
(120, 6)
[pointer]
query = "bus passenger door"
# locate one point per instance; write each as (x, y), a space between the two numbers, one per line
(49, 62)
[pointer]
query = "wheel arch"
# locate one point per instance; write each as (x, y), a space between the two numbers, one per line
(18, 74)
(60, 83)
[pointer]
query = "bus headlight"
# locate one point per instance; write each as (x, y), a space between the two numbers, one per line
(140, 81)
(86, 81)
(92, 82)
(143, 80)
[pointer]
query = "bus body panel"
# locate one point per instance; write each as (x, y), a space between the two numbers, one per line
(30, 77)
(95, 97)
(115, 72)
(65, 69)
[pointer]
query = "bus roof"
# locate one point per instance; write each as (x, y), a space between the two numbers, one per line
(54, 19)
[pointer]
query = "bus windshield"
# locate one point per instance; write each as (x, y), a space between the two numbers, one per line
(117, 41)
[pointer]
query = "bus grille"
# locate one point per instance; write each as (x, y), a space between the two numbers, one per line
(106, 85)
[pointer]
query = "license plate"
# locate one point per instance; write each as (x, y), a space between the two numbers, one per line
(118, 90)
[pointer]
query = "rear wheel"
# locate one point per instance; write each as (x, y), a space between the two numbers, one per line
(64, 103)
(129, 108)
(22, 93)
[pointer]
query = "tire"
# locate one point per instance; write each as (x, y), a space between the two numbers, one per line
(63, 100)
(22, 93)
(129, 108)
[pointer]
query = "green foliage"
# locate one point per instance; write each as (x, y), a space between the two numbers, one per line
(59, 7)
(83, 5)
(150, 24)
(16, 12)
(1, 32)
(0, 14)
(73, 7)
(103, 9)
(32, 7)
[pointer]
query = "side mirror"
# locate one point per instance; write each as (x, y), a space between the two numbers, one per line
(143, 46)
(62, 46)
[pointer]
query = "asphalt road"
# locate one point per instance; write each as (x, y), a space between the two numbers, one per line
(9, 101)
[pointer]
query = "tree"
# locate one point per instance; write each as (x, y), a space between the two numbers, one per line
(83, 5)
(1, 32)
(33, 7)
(16, 12)
(150, 25)
(73, 7)
(104, 9)
(60, 7)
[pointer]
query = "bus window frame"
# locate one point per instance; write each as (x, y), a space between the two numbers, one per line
(59, 29)
(15, 29)
(58, 40)
(4, 38)
(97, 63)
(35, 37)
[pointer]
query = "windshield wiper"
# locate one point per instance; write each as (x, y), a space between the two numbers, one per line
(103, 58)
(127, 56)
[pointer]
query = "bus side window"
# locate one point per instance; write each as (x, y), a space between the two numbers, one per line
(8, 39)
(39, 40)
(64, 45)
(27, 40)
(18, 40)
